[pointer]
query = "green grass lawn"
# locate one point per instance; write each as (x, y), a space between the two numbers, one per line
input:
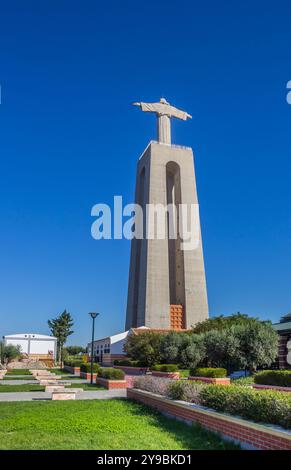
(40, 388)
(98, 424)
(12, 377)
(184, 373)
(60, 371)
(18, 372)
(21, 388)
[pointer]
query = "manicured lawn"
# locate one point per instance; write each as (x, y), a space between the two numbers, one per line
(18, 372)
(12, 377)
(86, 387)
(60, 371)
(40, 388)
(21, 388)
(184, 373)
(98, 424)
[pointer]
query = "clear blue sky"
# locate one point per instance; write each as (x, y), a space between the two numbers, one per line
(70, 138)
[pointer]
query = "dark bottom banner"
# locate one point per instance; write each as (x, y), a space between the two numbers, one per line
(135, 458)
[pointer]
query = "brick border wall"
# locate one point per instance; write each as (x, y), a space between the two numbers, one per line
(167, 375)
(111, 384)
(87, 375)
(249, 434)
(132, 370)
(72, 370)
(211, 380)
(272, 387)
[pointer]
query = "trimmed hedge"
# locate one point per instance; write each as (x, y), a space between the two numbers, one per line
(213, 372)
(110, 374)
(165, 368)
(75, 363)
(282, 378)
(129, 363)
(87, 367)
(266, 406)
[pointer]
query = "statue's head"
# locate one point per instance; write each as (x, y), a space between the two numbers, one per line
(164, 101)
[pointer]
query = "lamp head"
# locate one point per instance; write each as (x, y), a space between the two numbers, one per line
(93, 314)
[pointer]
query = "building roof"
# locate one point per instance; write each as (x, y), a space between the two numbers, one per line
(29, 335)
(284, 326)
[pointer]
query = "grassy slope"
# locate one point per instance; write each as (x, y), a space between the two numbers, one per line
(40, 388)
(18, 372)
(99, 424)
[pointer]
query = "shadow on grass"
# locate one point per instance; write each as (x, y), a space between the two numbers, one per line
(191, 436)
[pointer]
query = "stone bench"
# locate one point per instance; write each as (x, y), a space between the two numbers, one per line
(47, 382)
(54, 388)
(67, 394)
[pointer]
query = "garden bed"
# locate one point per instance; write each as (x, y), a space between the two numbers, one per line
(249, 434)
(167, 375)
(72, 370)
(87, 375)
(211, 380)
(132, 370)
(111, 384)
(272, 387)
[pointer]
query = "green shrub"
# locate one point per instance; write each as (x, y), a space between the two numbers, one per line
(110, 373)
(265, 406)
(74, 363)
(282, 378)
(87, 367)
(208, 372)
(129, 363)
(242, 381)
(165, 368)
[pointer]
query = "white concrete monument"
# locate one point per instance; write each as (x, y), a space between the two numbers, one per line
(167, 287)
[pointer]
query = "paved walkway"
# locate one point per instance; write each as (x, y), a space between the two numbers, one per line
(40, 396)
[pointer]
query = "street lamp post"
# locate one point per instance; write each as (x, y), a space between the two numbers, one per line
(93, 315)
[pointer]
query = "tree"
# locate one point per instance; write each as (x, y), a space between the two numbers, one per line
(170, 347)
(144, 347)
(10, 352)
(222, 348)
(61, 328)
(221, 322)
(258, 344)
(74, 350)
(192, 350)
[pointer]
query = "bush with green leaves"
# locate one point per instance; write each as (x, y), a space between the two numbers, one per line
(165, 368)
(87, 367)
(110, 373)
(266, 406)
(213, 372)
(129, 363)
(144, 347)
(243, 381)
(73, 363)
(281, 378)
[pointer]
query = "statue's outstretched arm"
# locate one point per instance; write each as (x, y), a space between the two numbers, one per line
(136, 104)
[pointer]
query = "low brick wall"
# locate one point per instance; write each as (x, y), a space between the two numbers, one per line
(132, 370)
(72, 370)
(111, 384)
(167, 375)
(87, 375)
(249, 434)
(272, 387)
(212, 380)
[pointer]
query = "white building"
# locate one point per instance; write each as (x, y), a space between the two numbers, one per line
(34, 345)
(106, 350)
